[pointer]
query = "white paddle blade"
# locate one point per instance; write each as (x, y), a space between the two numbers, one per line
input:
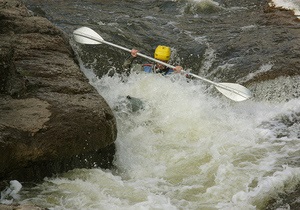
(85, 35)
(234, 91)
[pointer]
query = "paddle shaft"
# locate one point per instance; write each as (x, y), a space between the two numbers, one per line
(158, 61)
(141, 55)
(173, 67)
(226, 88)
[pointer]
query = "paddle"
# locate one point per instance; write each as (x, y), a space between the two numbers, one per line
(233, 91)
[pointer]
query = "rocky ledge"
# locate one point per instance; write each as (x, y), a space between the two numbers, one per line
(51, 118)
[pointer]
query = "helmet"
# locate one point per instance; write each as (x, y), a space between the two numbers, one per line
(162, 53)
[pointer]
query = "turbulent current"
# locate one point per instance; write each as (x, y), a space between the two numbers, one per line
(181, 144)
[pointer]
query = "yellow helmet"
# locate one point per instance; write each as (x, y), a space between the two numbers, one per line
(162, 53)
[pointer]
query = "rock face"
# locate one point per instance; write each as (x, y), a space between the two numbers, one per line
(51, 119)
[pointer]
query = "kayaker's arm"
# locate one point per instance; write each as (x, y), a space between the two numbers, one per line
(128, 62)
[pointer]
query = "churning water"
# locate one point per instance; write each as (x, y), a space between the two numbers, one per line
(187, 146)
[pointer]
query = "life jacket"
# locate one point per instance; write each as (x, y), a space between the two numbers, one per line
(150, 68)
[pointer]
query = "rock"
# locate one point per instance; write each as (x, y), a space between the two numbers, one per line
(51, 118)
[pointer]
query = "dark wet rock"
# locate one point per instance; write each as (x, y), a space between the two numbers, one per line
(51, 118)
(284, 43)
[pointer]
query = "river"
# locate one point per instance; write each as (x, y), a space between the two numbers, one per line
(188, 147)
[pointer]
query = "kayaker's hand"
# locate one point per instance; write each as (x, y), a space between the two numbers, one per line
(178, 69)
(134, 53)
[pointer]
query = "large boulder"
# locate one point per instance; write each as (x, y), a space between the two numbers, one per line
(51, 118)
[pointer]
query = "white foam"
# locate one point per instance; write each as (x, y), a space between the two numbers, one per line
(205, 2)
(263, 68)
(293, 5)
(189, 148)
(11, 193)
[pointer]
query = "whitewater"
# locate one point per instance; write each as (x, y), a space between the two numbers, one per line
(293, 5)
(188, 147)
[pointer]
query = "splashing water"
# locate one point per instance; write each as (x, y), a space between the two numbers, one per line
(293, 5)
(187, 148)
(9, 194)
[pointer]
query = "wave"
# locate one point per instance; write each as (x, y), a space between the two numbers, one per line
(293, 5)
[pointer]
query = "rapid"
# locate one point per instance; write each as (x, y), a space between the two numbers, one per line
(186, 146)
(185, 149)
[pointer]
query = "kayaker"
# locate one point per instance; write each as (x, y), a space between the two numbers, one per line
(162, 53)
